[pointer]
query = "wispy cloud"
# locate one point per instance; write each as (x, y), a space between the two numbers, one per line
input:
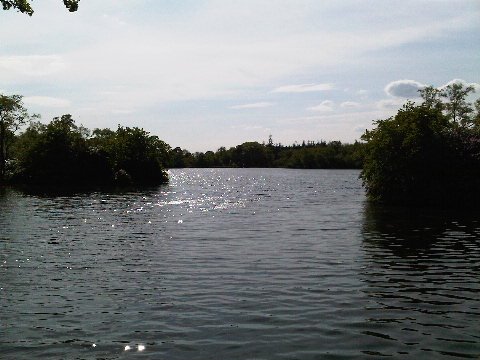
(302, 88)
(324, 106)
(257, 105)
(362, 93)
(32, 65)
(390, 104)
(46, 101)
(349, 104)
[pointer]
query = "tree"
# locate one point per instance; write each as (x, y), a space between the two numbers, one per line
(133, 154)
(456, 106)
(12, 115)
(63, 154)
(476, 118)
(24, 5)
(57, 154)
(425, 155)
(431, 97)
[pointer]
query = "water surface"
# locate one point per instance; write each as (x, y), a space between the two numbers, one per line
(236, 264)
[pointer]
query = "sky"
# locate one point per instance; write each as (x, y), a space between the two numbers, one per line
(205, 74)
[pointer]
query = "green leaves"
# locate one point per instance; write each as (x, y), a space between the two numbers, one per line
(24, 5)
(21, 5)
(12, 116)
(72, 5)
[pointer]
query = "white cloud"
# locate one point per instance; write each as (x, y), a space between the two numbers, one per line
(476, 86)
(257, 105)
(301, 88)
(324, 106)
(349, 104)
(362, 93)
(390, 104)
(46, 101)
(404, 88)
(33, 65)
(122, 111)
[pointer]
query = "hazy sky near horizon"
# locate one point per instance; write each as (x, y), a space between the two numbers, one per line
(204, 74)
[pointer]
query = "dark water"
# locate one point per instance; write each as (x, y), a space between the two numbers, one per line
(236, 264)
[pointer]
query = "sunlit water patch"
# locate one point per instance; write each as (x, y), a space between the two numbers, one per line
(236, 264)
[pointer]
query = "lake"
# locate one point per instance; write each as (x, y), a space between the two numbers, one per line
(236, 264)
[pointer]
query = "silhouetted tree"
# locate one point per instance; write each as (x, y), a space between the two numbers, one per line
(133, 151)
(64, 154)
(423, 155)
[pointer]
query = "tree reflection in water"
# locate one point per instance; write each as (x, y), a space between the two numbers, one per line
(422, 276)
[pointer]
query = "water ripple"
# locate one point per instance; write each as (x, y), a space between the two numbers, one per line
(238, 264)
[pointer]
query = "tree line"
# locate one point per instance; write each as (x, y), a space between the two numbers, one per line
(308, 155)
(428, 153)
(62, 153)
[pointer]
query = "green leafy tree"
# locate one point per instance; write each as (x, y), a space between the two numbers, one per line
(456, 105)
(431, 97)
(25, 7)
(423, 156)
(12, 115)
(134, 154)
(252, 154)
(397, 164)
(64, 154)
(56, 154)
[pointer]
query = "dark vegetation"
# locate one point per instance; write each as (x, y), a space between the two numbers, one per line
(427, 154)
(62, 154)
(308, 155)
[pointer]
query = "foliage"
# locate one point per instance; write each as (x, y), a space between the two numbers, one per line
(308, 155)
(425, 154)
(134, 152)
(457, 107)
(12, 115)
(64, 154)
(25, 7)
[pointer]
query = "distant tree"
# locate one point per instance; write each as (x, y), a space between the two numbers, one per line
(24, 5)
(12, 115)
(252, 154)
